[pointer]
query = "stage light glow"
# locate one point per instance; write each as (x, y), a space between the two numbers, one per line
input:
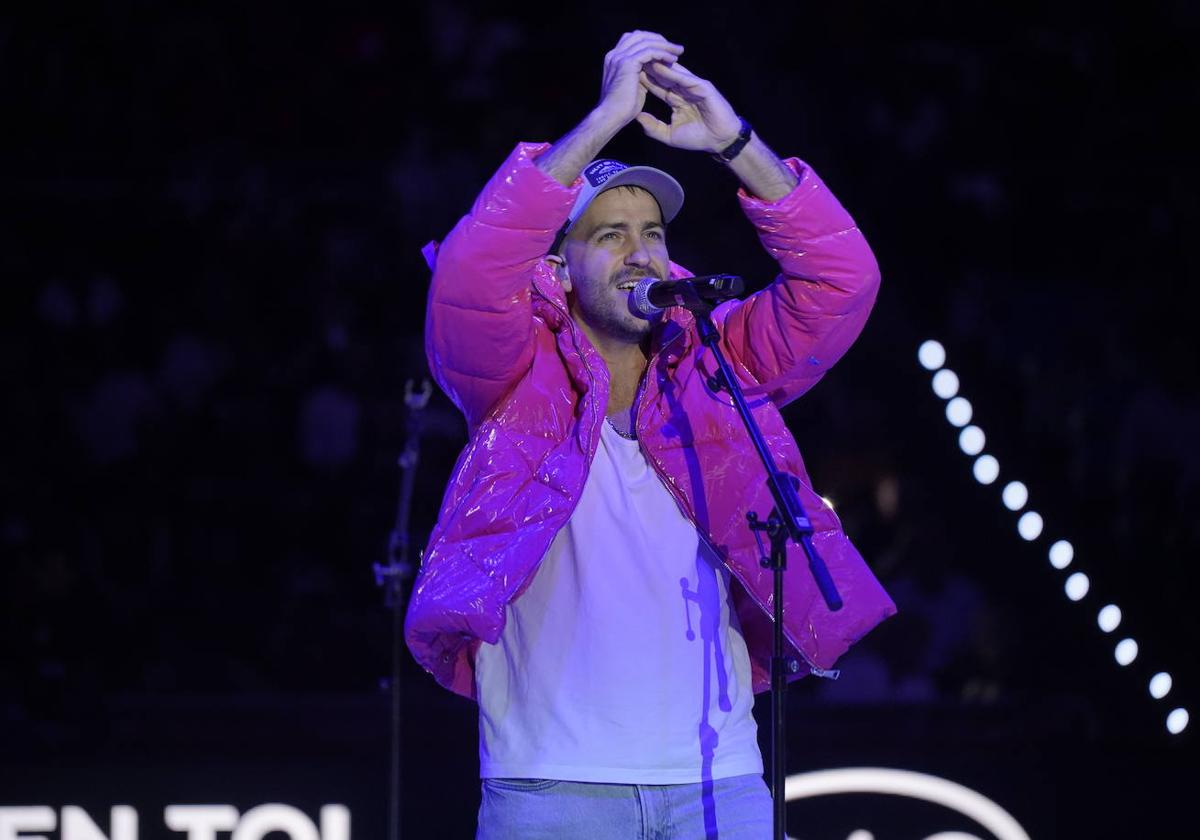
(828, 502)
(971, 440)
(1160, 685)
(1061, 554)
(1077, 586)
(931, 354)
(945, 383)
(1126, 652)
(860, 834)
(1029, 526)
(958, 412)
(1014, 495)
(986, 469)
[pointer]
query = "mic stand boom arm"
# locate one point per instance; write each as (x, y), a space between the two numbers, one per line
(787, 521)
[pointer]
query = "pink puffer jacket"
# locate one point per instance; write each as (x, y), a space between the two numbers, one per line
(534, 392)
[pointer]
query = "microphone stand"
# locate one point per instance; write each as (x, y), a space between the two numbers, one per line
(787, 521)
(391, 577)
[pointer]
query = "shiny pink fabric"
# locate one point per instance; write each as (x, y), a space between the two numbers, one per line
(534, 392)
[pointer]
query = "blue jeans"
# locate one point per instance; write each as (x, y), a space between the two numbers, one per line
(736, 808)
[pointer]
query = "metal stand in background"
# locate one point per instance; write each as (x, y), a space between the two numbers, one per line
(787, 521)
(391, 577)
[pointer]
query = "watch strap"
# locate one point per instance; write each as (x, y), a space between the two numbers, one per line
(733, 149)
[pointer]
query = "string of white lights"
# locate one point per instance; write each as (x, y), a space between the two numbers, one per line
(1015, 496)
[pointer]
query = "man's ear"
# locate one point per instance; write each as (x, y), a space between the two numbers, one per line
(560, 270)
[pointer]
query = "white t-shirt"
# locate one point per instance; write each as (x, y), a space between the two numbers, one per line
(623, 660)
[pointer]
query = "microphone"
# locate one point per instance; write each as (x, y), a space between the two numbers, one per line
(651, 296)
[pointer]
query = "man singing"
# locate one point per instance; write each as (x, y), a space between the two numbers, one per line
(592, 581)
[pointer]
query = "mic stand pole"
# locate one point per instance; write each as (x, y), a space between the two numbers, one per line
(392, 576)
(787, 521)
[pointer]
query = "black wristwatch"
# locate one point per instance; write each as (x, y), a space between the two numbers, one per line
(733, 149)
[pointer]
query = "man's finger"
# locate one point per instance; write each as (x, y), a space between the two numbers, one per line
(622, 51)
(652, 86)
(639, 39)
(647, 55)
(637, 35)
(659, 73)
(680, 75)
(686, 85)
(654, 127)
(672, 98)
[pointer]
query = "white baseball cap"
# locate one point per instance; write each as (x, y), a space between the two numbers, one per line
(604, 174)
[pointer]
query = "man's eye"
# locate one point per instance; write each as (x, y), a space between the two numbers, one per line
(604, 237)
(654, 234)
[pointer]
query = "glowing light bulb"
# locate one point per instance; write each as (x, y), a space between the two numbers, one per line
(1061, 554)
(1077, 586)
(958, 412)
(1126, 652)
(986, 469)
(1160, 685)
(931, 354)
(971, 440)
(1029, 526)
(1014, 495)
(945, 383)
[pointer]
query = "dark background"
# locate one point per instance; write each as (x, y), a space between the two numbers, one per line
(213, 298)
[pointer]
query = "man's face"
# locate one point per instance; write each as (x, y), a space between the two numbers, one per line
(618, 241)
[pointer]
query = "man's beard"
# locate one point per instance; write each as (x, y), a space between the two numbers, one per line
(613, 315)
(614, 318)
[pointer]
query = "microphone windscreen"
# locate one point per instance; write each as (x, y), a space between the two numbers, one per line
(641, 298)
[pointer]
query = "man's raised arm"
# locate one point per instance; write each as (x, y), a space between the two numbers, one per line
(479, 326)
(622, 95)
(790, 333)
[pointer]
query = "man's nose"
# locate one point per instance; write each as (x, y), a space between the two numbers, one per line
(638, 254)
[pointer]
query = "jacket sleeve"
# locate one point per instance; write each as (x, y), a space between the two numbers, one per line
(479, 320)
(786, 336)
